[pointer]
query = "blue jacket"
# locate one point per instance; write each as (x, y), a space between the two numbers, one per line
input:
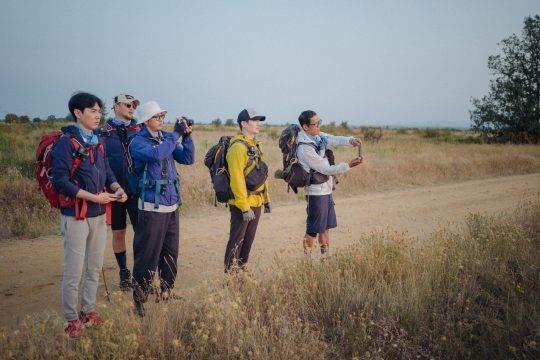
(90, 177)
(159, 156)
(115, 149)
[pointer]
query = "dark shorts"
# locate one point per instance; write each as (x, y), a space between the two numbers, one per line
(118, 214)
(321, 214)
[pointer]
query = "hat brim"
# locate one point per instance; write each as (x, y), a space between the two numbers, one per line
(260, 118)
(140, 121)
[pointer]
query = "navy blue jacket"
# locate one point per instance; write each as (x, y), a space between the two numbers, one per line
(90, 177)
(115, 150)
(160, 156)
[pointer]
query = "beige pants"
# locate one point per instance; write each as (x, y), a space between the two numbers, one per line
(84, 244)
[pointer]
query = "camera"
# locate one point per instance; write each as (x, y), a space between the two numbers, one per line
(189, 122)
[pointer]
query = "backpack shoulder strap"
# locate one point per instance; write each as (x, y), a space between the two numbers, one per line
(251, 159)
(308, 144)
(234, 141)
(77, 158)
(105, 130)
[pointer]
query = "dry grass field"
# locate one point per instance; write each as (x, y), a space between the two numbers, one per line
(401, 159)
(471, 293)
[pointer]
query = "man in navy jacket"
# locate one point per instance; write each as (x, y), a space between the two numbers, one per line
(156, 240)
(116, 134)
(84, 232)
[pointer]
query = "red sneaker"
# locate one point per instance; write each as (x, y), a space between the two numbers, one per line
(74, 329)
(91, 319)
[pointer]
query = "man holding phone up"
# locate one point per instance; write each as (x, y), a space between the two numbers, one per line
(321, 215)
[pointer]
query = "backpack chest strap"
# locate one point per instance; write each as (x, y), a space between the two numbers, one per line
(158, 186)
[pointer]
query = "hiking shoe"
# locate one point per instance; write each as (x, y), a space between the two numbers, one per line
(125, 280)
(91, 319)
(139, 309)
(324, 249)
(74, 329)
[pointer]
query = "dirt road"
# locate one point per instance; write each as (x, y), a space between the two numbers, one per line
(30, 270)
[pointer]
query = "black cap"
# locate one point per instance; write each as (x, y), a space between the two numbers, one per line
(249, 114)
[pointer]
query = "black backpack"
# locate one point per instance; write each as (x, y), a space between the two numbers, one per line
(216, 162)
(293, 173)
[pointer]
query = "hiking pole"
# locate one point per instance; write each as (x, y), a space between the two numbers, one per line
(105, 283)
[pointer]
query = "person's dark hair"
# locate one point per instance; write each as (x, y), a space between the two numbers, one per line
(81, 101)
(305, 116)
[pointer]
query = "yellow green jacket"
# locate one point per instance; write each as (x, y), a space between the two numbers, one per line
(237, 160)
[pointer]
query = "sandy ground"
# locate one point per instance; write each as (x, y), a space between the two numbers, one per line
(31, 270)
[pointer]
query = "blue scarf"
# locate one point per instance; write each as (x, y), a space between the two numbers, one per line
(88, 136)
(320, 141)
(119, 122)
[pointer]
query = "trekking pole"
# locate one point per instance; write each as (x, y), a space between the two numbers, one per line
(105, 283)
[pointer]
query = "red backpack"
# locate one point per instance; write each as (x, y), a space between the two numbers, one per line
(43, 171)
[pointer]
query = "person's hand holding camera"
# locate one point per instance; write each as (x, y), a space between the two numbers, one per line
(183, 126)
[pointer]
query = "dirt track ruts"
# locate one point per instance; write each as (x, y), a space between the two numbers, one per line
(30, 270)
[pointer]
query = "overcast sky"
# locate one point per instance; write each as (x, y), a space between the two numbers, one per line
(397, 63)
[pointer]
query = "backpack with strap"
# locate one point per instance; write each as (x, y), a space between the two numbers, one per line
(132, 180)
(293, 173)
(255, 173)
(43, 171)
(156, 185)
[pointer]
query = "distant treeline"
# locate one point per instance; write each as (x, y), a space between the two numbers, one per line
(12, 118)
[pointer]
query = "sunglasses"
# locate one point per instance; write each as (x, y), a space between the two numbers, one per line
(129, 106)
(318, 123)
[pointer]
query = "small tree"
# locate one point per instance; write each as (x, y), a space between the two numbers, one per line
(36, 120)
(24, 119)
(229, 122)
(216, 122)
(511, 110)
(344, 124)
(51, 118)
(11, 118)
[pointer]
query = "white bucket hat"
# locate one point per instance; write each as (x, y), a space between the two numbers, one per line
(147, 110)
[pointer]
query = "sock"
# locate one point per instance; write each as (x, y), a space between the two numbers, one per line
(121, 260)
